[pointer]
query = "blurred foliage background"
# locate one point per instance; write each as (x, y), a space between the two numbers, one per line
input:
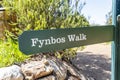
(22, 15)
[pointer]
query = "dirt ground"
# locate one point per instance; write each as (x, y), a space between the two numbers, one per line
(95, 61)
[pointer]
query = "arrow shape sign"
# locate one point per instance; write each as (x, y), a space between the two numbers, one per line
(31, 42)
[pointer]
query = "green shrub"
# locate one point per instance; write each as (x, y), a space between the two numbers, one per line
(9, 53)
(44, 14)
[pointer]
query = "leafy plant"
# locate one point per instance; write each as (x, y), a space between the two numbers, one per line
(68, 54)
(44, 14)
(9, 53)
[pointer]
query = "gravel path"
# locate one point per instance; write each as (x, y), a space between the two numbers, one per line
(95, 61)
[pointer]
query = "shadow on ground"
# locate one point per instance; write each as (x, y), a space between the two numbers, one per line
(95, 66)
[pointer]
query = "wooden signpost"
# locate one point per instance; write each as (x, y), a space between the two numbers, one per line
(31, 42)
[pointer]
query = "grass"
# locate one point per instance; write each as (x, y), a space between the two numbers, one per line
(9, 53)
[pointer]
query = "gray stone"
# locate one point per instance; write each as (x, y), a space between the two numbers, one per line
(72, 78)
(59, 69)
(11, 73)
(48, 78)
(36, 69)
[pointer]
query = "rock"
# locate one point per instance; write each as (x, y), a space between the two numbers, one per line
(48, 78)
(11, 73)
(74, 72)
(65, 71)
(59, 69)
(72, 78)
(51, 69)
(36, 69)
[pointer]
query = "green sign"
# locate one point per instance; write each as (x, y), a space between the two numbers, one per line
(31, 42)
